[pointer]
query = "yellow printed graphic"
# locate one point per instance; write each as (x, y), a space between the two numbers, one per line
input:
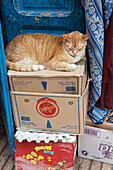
(50, 168)
(29, 156)
(33, 162)
(40, 157)
(35, 159)
(49, 158)
(33, 154)
(37, 148)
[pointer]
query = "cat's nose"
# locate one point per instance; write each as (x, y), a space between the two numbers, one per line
(75, 52)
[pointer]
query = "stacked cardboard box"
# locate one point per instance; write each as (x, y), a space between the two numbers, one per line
(97, 141)
(49, 102)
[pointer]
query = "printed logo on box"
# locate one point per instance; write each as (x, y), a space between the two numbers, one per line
(47, 107)
(107, 150)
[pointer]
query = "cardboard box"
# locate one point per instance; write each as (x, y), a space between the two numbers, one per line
(96, 144)
(47, 81)
(50, 112)
(107, 124)
(45, 156)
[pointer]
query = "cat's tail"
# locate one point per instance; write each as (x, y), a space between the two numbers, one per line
(21, 67)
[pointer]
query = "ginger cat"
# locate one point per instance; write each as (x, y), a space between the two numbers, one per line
(36, 51)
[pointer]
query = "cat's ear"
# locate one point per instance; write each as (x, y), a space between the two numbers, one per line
(85, 36)
(66, 36)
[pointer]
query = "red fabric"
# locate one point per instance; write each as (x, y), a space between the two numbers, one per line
(106, 99)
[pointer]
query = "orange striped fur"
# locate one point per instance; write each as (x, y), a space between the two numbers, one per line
(36, 51)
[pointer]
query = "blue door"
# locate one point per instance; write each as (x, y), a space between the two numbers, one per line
(26, 16)
(49, 16)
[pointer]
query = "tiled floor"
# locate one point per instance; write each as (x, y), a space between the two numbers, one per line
(7, 163)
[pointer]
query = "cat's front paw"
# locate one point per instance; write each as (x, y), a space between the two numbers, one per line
(72, 67)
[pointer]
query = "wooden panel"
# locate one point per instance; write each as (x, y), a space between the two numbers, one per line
(9, 165)
(96, 165)
(47, 8)
(3, 143)
(4, 156)
(2, 131)
(106, 166)
(78, 161)
(49, 16)
(85, 165)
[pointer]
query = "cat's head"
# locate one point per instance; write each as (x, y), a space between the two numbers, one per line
(75, 41)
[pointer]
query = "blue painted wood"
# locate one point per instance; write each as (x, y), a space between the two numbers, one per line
(26, 16)
(5, 96)
(45, 8)
(55, 17)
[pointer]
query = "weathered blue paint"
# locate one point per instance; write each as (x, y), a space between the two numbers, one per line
(55, 17)
(46, 8)
(5, 97)
(26, 16)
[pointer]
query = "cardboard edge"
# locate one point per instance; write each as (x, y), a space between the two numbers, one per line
(9, 74)
(83, 106)
(14, 109)
(105, 125)
(48, 131)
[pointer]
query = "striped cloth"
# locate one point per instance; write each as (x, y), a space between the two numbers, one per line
(97, 13)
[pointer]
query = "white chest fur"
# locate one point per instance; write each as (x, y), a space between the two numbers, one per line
(79, 55)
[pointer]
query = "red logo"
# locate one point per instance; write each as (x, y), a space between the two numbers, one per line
(47, 107)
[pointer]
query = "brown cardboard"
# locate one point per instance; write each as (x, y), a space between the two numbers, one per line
(107, 124)
(47, 81)
(50, 112)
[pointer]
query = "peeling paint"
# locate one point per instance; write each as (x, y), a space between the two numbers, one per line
(58, 9)
(43, 14)
(37, 19)
(11, 17)
(48, 16)
(63, 15)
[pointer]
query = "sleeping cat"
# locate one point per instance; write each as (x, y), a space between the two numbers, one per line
(36, 51)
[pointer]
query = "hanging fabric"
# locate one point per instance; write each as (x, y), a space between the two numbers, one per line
(106, 100)
(97, 15)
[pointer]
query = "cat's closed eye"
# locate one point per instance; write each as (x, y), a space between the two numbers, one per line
(69, 45)
(38, 51)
